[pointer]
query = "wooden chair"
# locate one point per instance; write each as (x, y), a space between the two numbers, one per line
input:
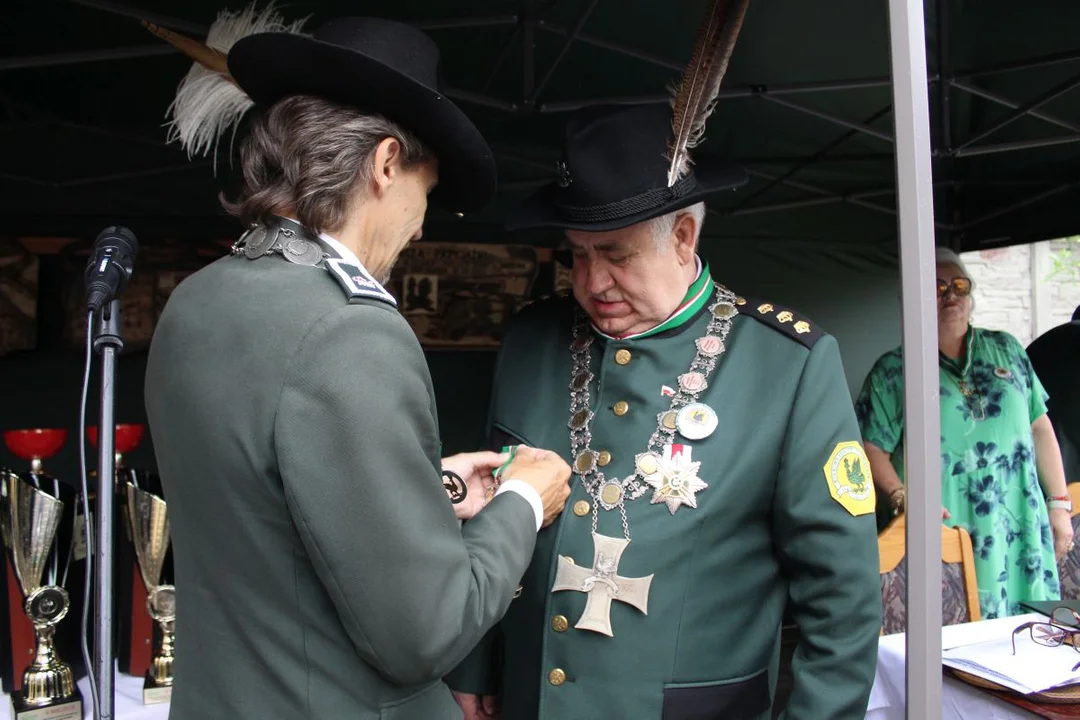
(959, 590)
(1069, 567)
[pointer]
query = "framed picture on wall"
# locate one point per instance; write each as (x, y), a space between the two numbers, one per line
(460, 296)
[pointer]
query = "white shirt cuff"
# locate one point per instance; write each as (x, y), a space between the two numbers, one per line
(528, 492)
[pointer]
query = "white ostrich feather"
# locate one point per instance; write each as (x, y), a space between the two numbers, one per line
(208, 102)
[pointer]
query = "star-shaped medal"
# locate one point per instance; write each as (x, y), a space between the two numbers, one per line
(675, 481)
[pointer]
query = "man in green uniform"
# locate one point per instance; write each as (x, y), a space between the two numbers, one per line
(320, 570)
(718, 474)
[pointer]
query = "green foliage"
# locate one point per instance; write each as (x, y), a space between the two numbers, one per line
(1066, 261)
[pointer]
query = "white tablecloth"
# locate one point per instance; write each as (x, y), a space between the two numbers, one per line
(128, 704)
(958, 700)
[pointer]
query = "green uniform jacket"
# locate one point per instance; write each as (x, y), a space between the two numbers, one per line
(767, 528)
(320, 570)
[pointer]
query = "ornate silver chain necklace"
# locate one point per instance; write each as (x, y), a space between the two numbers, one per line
(611, 493)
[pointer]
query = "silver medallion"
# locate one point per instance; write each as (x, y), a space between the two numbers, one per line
(710, 345)
(258, 241)
(580, 420)
(693, 382)
(302, 252)
(723, 310)
(611, 493)
(585, 462)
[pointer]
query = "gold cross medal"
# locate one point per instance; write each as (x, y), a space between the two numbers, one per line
(675, 478)
(603, 584)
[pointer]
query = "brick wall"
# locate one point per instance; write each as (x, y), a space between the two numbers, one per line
(1007, 292)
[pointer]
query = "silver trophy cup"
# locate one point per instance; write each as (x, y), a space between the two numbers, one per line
(149, 522)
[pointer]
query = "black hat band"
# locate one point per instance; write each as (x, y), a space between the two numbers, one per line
(649, 200)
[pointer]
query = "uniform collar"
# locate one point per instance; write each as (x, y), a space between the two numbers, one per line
(350, 272)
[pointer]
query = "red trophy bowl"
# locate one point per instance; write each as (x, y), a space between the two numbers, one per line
(35, 445)
(127, 439)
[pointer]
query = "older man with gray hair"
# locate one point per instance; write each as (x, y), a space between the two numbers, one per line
(719, 476)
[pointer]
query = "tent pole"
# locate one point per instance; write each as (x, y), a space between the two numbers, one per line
(921, 405)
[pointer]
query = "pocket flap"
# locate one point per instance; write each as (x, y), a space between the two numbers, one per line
(740, 699)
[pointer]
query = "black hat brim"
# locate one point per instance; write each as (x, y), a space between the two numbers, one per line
(712, 175)
(271, 66)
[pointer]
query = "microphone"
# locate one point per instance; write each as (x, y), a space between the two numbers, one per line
(110, 265)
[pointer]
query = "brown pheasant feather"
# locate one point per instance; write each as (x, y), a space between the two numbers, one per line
(694, 98)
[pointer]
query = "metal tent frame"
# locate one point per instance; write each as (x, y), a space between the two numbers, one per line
(528, 22)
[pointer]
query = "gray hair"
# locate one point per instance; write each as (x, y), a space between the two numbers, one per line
(308, 155)
(661, 227)
(947, 256)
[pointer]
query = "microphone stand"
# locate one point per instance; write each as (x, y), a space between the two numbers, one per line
(107, 343)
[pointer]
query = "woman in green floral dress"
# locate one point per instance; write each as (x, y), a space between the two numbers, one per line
(1001, 474)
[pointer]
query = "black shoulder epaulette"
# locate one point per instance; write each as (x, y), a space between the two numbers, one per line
(784, 320)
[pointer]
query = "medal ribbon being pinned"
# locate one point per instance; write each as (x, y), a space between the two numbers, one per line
(658, 468)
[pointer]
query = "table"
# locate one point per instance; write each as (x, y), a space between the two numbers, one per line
(959, 701)
(128, 704)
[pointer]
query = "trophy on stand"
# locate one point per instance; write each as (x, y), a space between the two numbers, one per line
(149, 523)
(31, 514)
(134, 628)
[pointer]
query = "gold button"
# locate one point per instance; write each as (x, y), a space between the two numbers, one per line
(581, 508)
(604, 459)
(622, 356)
(621, 408)
(559, 623)
(740, 301)
(557, 676)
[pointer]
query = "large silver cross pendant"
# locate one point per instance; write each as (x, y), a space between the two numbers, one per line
(602, 584)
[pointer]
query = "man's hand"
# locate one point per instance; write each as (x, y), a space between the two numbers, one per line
(478, 707)
(475, 469)
(547, 473)
(1061, 525)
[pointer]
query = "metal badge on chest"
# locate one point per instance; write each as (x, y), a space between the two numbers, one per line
(666, 467)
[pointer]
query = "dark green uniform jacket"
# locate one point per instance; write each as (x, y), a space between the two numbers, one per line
(778, 520)
(320, 570)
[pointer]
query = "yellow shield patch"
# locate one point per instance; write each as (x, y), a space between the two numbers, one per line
(850, 481)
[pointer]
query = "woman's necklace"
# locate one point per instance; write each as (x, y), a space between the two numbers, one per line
(976, 403)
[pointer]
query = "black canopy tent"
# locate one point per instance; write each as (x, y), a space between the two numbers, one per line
(806, 106)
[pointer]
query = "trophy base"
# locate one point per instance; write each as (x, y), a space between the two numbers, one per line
(154, 693)
(66, 709)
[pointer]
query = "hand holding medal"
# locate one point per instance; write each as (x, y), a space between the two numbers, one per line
(544, 470)
(469, 480)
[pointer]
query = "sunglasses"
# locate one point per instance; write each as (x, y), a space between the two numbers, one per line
(960, 287)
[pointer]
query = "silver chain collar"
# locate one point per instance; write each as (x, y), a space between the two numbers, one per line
(614, 493)
(262, 240)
